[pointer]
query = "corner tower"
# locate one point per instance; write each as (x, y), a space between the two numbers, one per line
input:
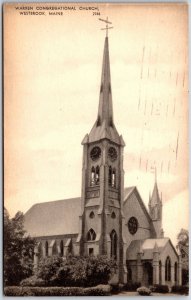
(103, 181)
(155, 210)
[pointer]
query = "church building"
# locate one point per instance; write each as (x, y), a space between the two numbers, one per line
(108, 219)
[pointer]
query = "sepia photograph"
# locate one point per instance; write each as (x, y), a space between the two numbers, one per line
(96, 149)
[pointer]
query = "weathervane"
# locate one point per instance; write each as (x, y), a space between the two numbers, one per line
(107, 27)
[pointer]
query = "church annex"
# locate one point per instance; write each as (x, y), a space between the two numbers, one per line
(107, 219)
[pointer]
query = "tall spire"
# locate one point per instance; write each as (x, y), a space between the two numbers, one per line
(105, 111)
(104, 126)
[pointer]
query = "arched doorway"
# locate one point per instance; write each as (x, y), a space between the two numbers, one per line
(147, 273)
(129, 274)
(168, 269)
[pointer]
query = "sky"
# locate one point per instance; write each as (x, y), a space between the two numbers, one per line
(52, 74)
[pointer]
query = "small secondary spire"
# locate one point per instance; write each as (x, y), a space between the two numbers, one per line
(106, 26)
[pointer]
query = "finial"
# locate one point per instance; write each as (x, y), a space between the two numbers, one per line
(107, 27)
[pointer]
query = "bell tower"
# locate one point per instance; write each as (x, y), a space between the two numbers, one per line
(103, 181)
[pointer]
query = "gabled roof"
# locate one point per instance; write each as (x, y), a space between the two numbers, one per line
(147, 246)
(127, 193)
(53, 218)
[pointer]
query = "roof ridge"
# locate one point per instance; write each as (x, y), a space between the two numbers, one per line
(51, 201)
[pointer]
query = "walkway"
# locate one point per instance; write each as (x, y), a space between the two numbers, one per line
(129, 294)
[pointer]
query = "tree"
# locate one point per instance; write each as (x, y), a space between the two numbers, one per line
(183, 237)
(18, 250)
(183, 247)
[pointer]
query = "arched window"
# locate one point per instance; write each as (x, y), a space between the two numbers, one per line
(91, 236)
(93, 176)
(160, 272)
(110, 175)
(97, 175)
(54, 248)
(92, 215)
(113, 237)
(46, 248)
(61, 248)
(40, 251)
(113, 179)
(113, 215)
(175, 272)
(168, 269)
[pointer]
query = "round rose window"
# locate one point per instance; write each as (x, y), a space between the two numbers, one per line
(132, 225)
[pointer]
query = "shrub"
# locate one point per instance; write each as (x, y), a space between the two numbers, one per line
(100, 290)
(144, 291)
(99, 270)
(57, 291)
(75, 271)
(160, 288)
(48, 267)
(132, 286)
(180, 289)
(17, 291)
(32, 281)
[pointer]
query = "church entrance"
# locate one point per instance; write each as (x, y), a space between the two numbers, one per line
(147, 273)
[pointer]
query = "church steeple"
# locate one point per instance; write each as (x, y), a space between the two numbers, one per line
(105, 111)
(101, 219)
(104, 127)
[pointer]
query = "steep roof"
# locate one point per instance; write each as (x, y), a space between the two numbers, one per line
(147, 247)
(53, 218)
(133, 189)
(128, 191)
(155, 198)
